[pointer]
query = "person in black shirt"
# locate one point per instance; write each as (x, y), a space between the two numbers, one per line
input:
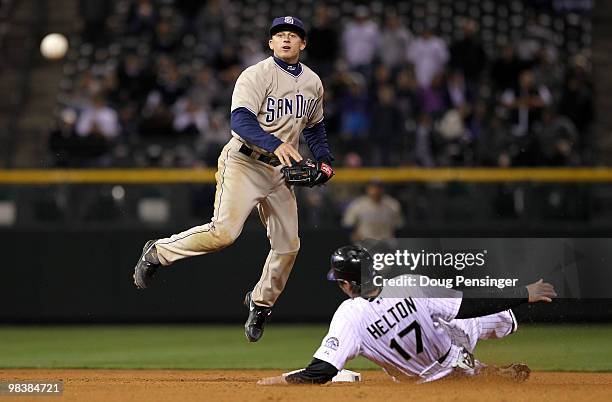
(468, 55)
(322, 42)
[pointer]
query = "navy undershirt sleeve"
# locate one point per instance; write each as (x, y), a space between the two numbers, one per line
(316, 139)
(245, 124)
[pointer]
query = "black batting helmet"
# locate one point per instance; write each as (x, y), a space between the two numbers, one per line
(352, 264)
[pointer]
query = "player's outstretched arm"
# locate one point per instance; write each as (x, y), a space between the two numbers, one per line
(317, 372)
(481, 302)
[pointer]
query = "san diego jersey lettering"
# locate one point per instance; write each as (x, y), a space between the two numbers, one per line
(277, 108)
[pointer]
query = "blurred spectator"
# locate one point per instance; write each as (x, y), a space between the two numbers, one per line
(389, 130)
(214, 139)
(564, 154)
(374, 215)
(226, 58)
(170, 84)
(94, 14)
(98, 120)
(190, 117)
(87, 87)
(322, 42)
(506, 69)
(422, 149)
(478, 121)
(557, 138)
(577, 98)
(467, 54)
(62, 138)
(227, 78)
(407, 89)
(525, 103)
(213, 22)
(165, 39)
(549, 72)
(536, 37)
(360, 40)
(189, 11)
(433, 97)
(459, 95)
(381, 77)
(251, 53)
(157, 120)
(314, 209)
(97, 129)
(504, 160)
(394, 40)
(205, 88)
(352, 160)
(142, 17)
(429, 55)
(355, 112)
(128, 120)
(135, 79)
(452, 139)
(494, 140)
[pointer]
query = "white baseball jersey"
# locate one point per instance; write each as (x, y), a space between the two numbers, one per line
(409, 336)
(397, 334)
(284, 104)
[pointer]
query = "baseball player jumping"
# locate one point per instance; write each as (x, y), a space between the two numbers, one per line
(419, 338)
(273, 102)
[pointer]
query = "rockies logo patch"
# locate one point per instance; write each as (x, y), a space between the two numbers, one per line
(289, 20)
(332, 343)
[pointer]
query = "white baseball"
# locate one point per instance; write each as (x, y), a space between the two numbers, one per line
(54, 46)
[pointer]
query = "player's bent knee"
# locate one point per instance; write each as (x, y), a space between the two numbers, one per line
(291, 246)
(224, 237)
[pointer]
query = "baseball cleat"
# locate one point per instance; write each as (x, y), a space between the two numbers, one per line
(258, 315)
(518, 372)
(147, 266)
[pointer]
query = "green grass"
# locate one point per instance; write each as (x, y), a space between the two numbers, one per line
(568, 348)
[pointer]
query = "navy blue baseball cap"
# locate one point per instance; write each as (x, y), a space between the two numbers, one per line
(288, 23)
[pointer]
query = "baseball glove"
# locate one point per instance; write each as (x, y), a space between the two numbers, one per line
(308, 173)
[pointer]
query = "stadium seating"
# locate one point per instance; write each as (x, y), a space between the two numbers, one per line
(195, 41)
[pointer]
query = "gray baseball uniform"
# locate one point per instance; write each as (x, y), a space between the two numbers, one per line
(285, 102)
(373, 220)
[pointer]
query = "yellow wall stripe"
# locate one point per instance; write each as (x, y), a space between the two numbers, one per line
(390, 175)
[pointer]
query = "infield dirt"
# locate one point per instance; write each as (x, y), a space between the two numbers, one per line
(235, 385)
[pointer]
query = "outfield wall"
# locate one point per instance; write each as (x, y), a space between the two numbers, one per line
(85, 276)
(69, 238)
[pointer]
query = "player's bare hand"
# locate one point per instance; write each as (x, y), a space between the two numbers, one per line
(278, 380)
(285, 152)
(541, 291)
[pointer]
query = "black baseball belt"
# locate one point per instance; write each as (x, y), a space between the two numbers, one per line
(251, 153)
